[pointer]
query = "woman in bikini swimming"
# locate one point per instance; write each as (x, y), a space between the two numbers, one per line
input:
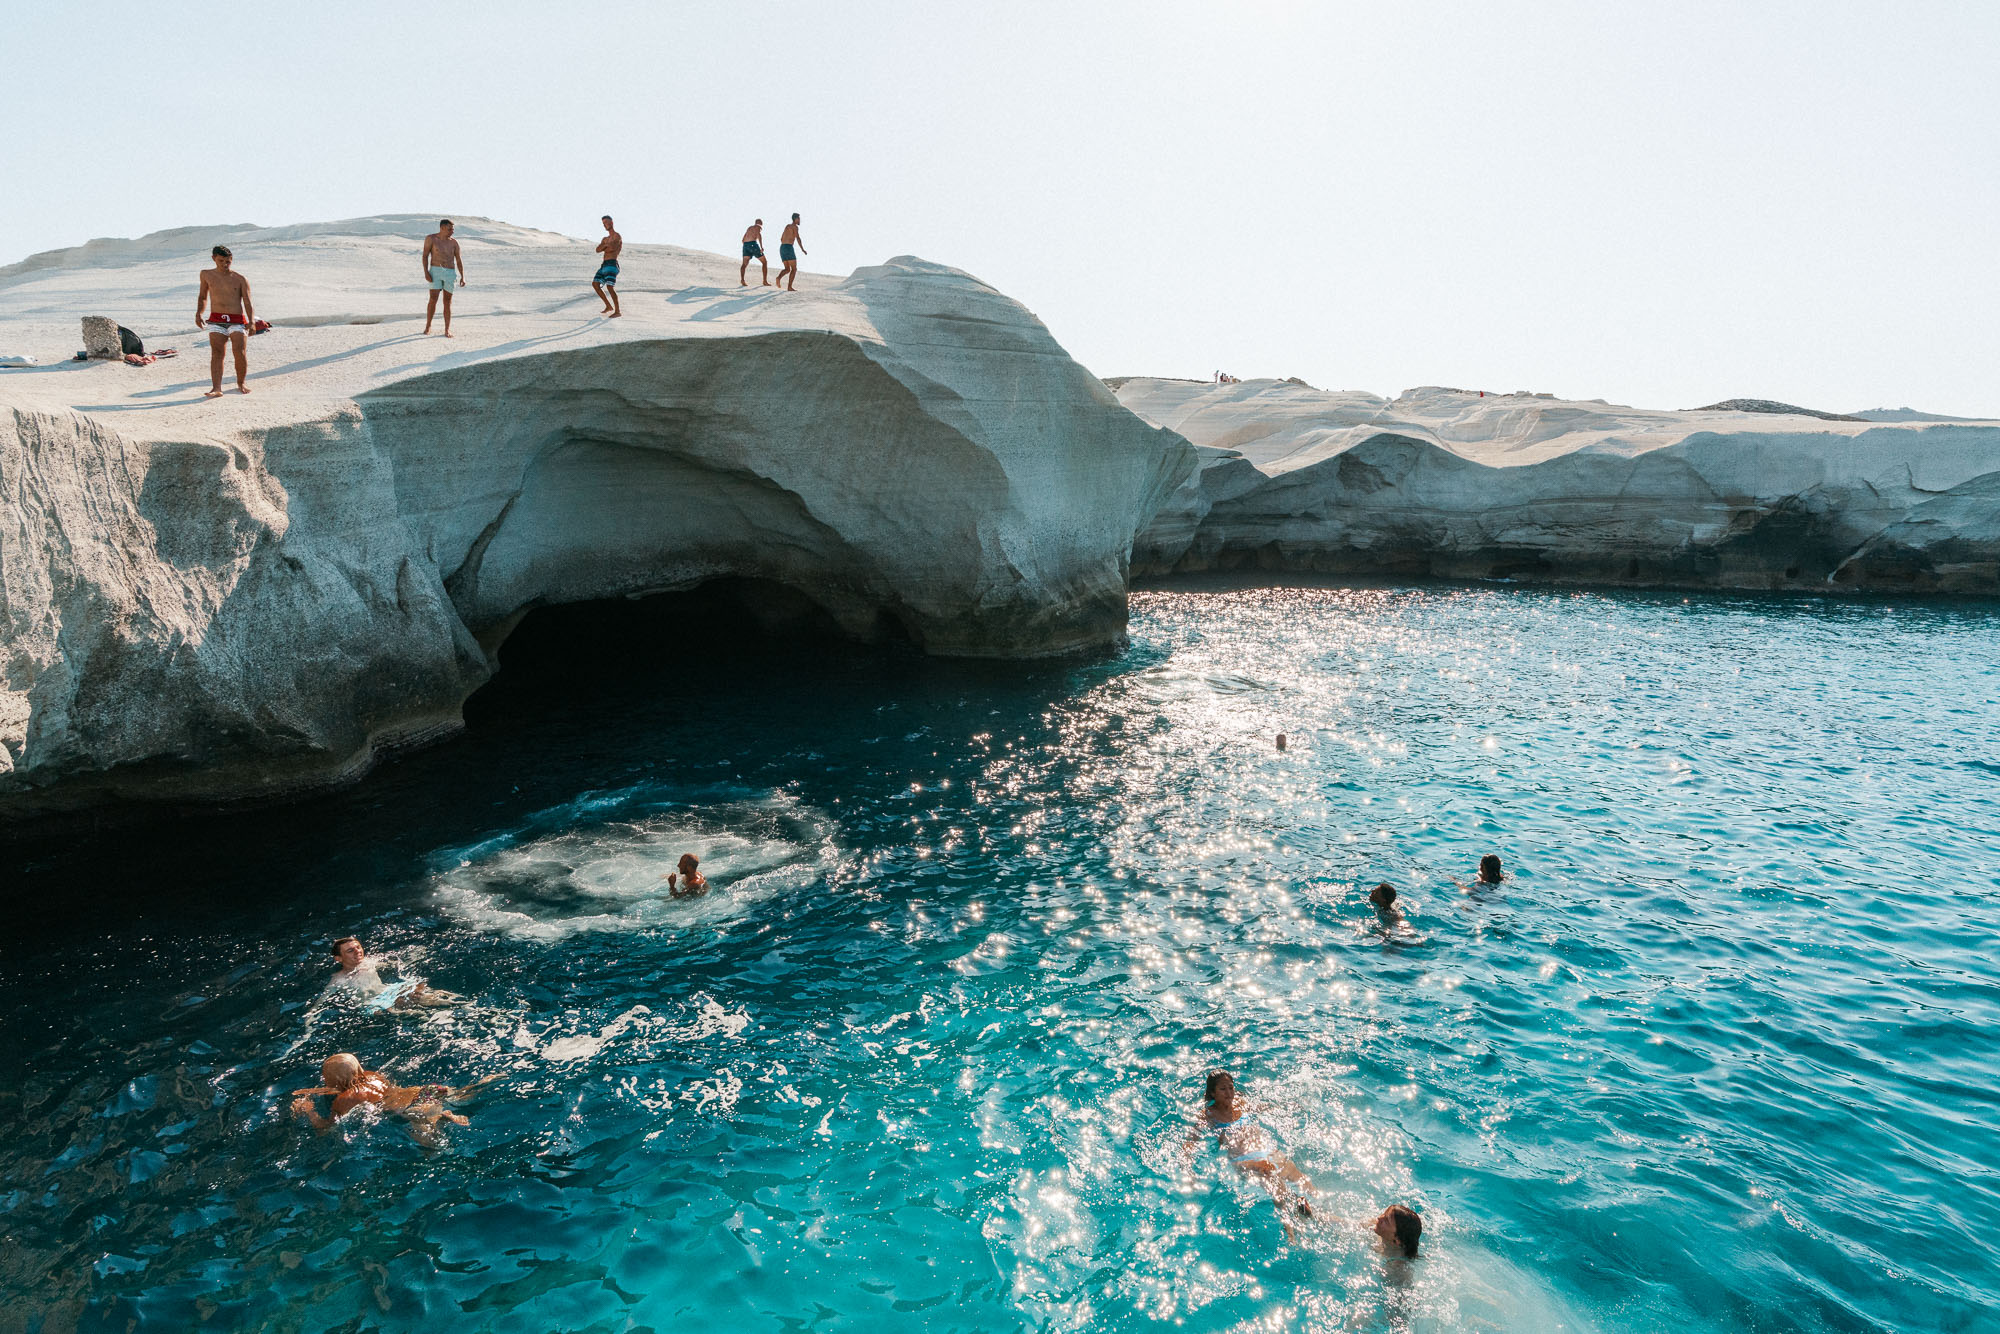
(350, 1086)
(1251, 1148)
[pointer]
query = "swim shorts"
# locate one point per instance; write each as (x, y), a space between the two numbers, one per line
(607, 274)
(786, 253)
(751, 250)
(214, 323)
(387, 997)
(444, 278)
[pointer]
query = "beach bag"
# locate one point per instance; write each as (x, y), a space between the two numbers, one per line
(133, 347)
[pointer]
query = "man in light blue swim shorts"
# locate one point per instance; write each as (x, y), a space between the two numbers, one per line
(605, 284)
(444, 265)
(358, 976)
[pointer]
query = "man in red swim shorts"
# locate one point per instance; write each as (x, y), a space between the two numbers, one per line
(226, 294)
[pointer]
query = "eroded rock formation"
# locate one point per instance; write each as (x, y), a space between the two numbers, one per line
(1448, 483)
(253, 595)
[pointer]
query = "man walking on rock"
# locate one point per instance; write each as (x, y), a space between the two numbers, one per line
(441, 253)
(226, 293)
(790, 257)
(605, 284)
(753, 248)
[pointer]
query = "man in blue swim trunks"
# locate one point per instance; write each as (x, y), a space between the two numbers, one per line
(359, 977)
(605, 284)
(753, 248)
(790, 257)
(441, 253)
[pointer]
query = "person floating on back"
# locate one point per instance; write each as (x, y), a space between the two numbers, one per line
(687, 883)
(226, 294)
(790, 246)
(359, 977)
(350, 1086)
(1252, 1149)
(441, 255)
(605, 284)
(753, 248)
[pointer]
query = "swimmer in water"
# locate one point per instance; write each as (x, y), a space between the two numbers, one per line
(357, 972)
(1489, 870)
(350, 1086)
(1383, 896)
(1251, 1148)
(1281, 741)
(687, 883)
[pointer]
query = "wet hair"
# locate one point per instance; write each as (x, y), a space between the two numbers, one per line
(1382, 895)
(344, 940)
(1216, 1078)
(1489, 867)
(444, 222)
(688, 863)
(1409, 1228)
(221, 251)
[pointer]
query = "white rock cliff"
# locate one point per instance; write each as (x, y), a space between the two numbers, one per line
(1453, 484)
(252, 595)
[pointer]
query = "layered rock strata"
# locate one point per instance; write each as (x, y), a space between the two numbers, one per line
(248, 596)
(1452, 484)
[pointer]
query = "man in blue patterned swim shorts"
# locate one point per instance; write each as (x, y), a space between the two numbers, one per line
(605, 284)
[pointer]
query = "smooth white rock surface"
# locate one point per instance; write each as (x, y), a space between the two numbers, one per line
(250, 595)
(1448, 483)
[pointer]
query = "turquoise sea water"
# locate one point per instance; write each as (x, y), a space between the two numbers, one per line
(1720, 1055)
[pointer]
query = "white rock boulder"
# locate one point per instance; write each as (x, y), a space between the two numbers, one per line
(1454, 484)
(209, 598)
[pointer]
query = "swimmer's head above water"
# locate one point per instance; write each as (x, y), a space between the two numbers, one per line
(340, 1070)
(1221, 1090)
(688, 863)
(1489, 869)
(348, 950)
(1383, 895)
(1400, 1229)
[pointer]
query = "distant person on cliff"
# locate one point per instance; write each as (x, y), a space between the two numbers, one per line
(226, 295)
(1251, 1147)
(688, 882)
(753, 248)
(350, 1086)
(359, 977)
(790, 246)
(605, 284)
(441, 256)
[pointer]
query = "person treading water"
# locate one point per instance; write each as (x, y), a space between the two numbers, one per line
(688, 882)
(350, 1086)
(358, 973)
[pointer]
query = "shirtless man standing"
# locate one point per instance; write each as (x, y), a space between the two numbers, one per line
(786, 241)
(441, 254)
(753, 248)
(605, 284)
(350, 1086)
(226, 293)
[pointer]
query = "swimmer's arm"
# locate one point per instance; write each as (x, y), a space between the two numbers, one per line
(304, 1107)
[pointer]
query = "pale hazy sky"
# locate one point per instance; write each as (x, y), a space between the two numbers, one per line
(1656, 203)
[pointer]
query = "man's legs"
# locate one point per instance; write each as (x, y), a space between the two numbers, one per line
(764, 266)
(215, 342)
(236, 342)
(447, 315)
(430, 311)
(792, 269)
(598, 288)
(615, 311)
(743, 272)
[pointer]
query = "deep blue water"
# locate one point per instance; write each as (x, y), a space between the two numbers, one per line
(1720, 1055)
